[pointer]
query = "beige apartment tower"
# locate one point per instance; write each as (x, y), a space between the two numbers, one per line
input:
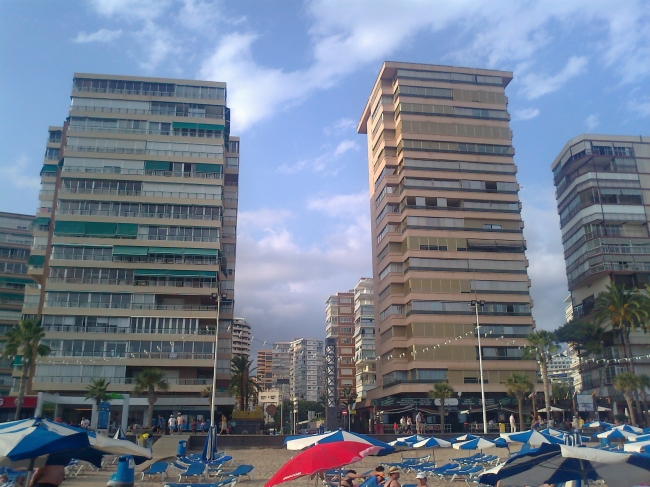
(446, 230)
(339, 325)
(134, 243)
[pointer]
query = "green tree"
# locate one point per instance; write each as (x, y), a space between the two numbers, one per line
(643, 382)
(305, 406)
(519, 386)
(150, 382)
(625, 310)
(627, 383)
(97, 391)
(542, 344)
(242, 384)
(348, 396)
(584, 337)
(561, 391)
(25, 339)
(442, 391)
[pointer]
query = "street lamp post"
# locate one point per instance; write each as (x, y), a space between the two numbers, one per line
(218, 298)
(476, 304)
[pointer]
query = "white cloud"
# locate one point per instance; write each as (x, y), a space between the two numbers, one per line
(342, 205)
(324, 163)
(592, 122)
(536, 85)
(641, 106)
(264, 219)
(102, 35)
(20, 174)
(525, 114)
(341, 127)
(131, 10)
(158, 45)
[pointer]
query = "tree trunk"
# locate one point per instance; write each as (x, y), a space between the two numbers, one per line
(628, 399)
(21, 390)
(520, 403)
(442, 415)
(151, 399)
(644, 400)
(547, 393)
(94, 417)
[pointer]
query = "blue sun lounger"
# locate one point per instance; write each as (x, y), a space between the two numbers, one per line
(230, 482)
(194, 470)
(157, 468)
(239, 472)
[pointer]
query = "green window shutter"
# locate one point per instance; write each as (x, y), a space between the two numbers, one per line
(123, 250)
(207, 274)
(69, 228)
(41, 221)
(96, 229)
(165, 251)
(184, 125)
(15, 280)
(157, 165)
(127, 230)
(207, 126)
(18, 360)
(10, 296)
(50, 169)
(208, 252)
(150, 272)
(209, 168)
(36, 260)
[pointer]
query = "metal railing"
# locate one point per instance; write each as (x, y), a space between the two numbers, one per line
(138, 214)
(133, 282)
(172, 133)
(141, 111)
(179, 238)
(143, 172)
(124, 380)
(135, 355)
(133, 192)
(140, 306)
(125, 330)
(154, 152)
(164, 94)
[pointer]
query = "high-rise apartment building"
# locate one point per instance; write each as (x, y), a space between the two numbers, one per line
(339, 319)
(281, 368)
(446, 230)
(265, 369)
(241, 337)
(307, 367)
(364, 338)
(602, 187)
(15, 242)
(135, 237)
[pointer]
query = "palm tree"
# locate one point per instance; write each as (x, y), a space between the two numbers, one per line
(625, 310)
(150, 382)
(627, 383)
(97, 391)
(25, 339)
(584, 337)
(206, 392)
(442, 391)
(348, 396)
(242, 385)
(643, 382)
(543, 344)
(519, 386)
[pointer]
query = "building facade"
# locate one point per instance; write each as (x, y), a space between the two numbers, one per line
(281, 368)
(15, 243)
(339, 319)
(364, 338)
(265, 369)
(135, 240)
(307, 367)
(603, 195)
(241, 337)
(446, 229)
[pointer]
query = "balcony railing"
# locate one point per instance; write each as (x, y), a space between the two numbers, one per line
(610, 266)
(141, 111)
(178, 238)
(153, 152)
(116, 130)
(138, 214)
(126, 380)
(131, 192)
(150, 259)
(141, 306)
(124, 330)
(164, 94)
(143, 172)
(135, 355)
(132, 282)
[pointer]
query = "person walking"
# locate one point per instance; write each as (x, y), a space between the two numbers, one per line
(513, 424)
(172, 424)
(194, 425)
(203, 425)
(161, 424)
(180, 421)
(422, 479)
(418, 423)
(409, 425)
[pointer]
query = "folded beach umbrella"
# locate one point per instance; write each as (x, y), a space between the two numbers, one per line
(555, 464)
(475, 444)
(210, 445)
(599, 424)
(322, 457)
(119, 434)
(532, 437)
(339, 436)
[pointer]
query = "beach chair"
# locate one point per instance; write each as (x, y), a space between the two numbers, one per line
(230, 482)
(157, 468)
(464, 475)
(447, 475)
(239, 472)
(194, 470)
(73, 469)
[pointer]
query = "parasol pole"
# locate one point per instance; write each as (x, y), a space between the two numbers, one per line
(28, 478)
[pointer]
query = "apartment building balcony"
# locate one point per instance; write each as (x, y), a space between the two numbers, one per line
(185, 283)
(116, 330)
(128, 192)
(144, 172)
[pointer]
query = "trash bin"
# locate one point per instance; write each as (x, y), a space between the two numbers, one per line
(181, 451)
(125, 475)
(502, 427)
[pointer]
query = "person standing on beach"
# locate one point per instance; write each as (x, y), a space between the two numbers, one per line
(224, 425)
(513, 425)
(172, 424)
(418, 423)
(194, 425)
(161, 424)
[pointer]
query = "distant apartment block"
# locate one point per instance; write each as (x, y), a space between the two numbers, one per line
(602, 187)
(339, 319)
(307, 369)
(15, 243)
(241, 337)
(265, 369)
(134, 240)
(364, 338)
(281, 368)
(446, 230)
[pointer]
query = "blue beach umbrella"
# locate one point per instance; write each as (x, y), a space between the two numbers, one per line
(551, 432)
(599, 424)
(616, 434)
(304, 442)
(629, 429)
(411, 439)
(532, 437)
(555, 464)
(475, 444)
(465, 437)
(432, 443)
(119, 434)
(210, 445)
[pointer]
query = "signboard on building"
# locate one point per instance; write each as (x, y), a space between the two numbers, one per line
(464, 402)
(585, 402)
(269, 397)
(104, 415)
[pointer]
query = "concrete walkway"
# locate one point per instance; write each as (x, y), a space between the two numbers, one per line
(164, 448)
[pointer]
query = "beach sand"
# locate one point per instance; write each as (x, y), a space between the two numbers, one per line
(268, 461)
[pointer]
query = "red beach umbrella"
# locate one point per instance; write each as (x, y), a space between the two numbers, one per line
(322, 457)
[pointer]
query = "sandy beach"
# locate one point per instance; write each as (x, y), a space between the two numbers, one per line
(268, 461)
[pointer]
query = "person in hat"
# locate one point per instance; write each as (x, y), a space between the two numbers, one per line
(172, 424)
(393, 477)
(179, 422)
(422, 479)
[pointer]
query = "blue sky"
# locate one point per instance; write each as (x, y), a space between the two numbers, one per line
(298, 75)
